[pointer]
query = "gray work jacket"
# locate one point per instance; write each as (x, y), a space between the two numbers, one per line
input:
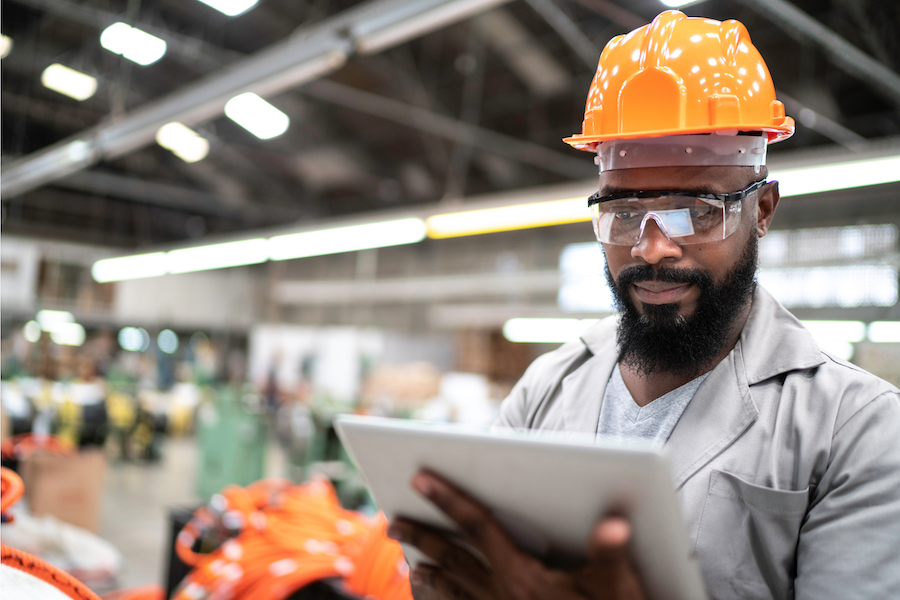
(786, 461)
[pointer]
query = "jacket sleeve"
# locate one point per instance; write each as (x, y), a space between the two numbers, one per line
(849, 545)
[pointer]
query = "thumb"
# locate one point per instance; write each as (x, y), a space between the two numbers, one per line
(610, 538)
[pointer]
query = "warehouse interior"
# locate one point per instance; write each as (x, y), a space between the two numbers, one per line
(226, 221)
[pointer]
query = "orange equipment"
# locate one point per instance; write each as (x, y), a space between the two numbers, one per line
(284, 537)
(681, 75)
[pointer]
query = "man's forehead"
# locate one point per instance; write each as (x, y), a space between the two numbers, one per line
(689, 179)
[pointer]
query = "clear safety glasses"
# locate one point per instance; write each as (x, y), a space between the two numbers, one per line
(684, 217)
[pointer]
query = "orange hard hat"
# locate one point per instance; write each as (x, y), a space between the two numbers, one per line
(681, 75)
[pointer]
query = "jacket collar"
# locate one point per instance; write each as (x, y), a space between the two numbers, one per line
(772, 342)
(775, 342)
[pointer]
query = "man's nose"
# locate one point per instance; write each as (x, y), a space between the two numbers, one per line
(653, 246)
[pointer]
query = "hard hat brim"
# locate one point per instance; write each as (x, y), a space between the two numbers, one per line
(588, 143)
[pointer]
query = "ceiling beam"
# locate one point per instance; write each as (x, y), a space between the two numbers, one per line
(841, 52)
(568, 31)
(450, 128)
(170, 196)
(309, 54)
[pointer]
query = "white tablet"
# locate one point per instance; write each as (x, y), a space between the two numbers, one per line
(548, 491)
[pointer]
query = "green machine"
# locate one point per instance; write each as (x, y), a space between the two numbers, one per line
(231, 432)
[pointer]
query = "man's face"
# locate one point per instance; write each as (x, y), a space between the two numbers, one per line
(679, 303)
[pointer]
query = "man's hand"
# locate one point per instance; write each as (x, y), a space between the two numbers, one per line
(509, 573)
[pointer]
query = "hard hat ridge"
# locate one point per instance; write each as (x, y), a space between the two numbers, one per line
(681, 75)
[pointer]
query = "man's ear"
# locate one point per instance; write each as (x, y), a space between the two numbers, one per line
(767, 201)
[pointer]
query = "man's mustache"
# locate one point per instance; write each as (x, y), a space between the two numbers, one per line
(642, 273)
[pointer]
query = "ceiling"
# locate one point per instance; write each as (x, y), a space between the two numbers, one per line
(492, 97)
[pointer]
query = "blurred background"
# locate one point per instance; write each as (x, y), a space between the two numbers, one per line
(226, 221)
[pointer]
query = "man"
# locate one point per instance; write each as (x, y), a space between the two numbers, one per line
(786, 460)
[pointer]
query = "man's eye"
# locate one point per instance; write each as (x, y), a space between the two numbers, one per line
(701, 214)
(627, 215)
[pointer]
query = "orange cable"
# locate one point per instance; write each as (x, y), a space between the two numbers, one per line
(11, 489)
(290, 536)
(32, 565)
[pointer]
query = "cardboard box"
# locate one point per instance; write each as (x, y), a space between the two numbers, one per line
(67, 487)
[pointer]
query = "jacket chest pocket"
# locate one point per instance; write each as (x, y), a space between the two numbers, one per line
(747, 539)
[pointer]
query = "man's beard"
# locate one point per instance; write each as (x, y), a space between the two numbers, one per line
(661, 340)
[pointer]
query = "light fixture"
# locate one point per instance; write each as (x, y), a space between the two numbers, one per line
(257, 116)
(836, 176)
(68, 82)
(134, 339)
(837, 337)
(232, 8)
(548, 331)
(51, 319)
(347, 239)
(32, 331)
(68, 334)
(129, 267)
(678, 3)
(6, 45)
(508, 218)
(167, 340)
(845, 331)
(217, 256)
(183, 142)
(132, 43)
(884, 331)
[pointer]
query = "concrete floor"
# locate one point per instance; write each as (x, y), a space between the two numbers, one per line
(134, 509)
(135, 502)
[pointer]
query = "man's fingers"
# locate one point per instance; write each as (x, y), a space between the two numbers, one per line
(429, 583)
(450, 557)
(478, 526)
(610, 539)
(610, 572)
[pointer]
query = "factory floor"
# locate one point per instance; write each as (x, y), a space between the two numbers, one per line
(136, 498)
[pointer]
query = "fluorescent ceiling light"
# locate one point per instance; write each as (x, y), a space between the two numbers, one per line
(347, 239)
(6, 45)
(232, 8)
(678, 3)
(508, 218)
(69, 82)
(836, 331)
(257, 116)
(884, 331)
(49, 320)
(68, 334)
(842, 350)
(184, 142)
(549, 331)
(129, 267)
(217, 256)
(837, 176)
(132, 43)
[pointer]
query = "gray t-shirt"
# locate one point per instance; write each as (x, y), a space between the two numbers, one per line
(621, 417)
